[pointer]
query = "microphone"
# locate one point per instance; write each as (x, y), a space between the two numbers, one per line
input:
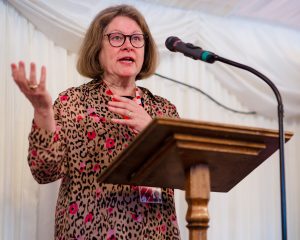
(174, 44)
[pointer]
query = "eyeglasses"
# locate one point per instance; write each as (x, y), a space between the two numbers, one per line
(118, 39)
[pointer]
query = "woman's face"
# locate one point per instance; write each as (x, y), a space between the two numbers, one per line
(125, 61)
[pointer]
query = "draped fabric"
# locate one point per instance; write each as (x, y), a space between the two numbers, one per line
(279, 12)
(50, 36)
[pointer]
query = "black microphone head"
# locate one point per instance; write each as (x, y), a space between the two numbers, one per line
(170, 43)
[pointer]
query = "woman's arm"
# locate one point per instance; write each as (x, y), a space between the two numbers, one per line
(47, 146)
(47, 153)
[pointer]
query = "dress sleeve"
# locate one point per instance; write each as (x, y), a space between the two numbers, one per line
(47, 150)
(172, 111)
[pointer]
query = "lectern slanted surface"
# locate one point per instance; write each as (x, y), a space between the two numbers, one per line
(159, 156)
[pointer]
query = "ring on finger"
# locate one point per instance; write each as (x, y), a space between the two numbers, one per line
(129, 113)
(33, 86)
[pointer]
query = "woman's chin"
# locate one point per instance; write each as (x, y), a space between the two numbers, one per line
(128, 75)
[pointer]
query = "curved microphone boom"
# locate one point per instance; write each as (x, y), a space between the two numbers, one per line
(174, 44)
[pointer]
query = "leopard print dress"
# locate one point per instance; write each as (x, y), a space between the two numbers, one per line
(84, 144)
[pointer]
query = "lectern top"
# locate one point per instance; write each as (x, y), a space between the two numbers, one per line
(161, 154)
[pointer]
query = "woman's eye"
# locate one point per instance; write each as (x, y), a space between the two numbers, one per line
(137, 38)
(116, 37)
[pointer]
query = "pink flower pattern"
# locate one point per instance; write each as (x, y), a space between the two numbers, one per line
(88, 218)
(79, 117)
(64, 98)
(163, 228)
(98, 193)
(109, 143)
(110, 210)
(97, 167)
(136, 217)
(82, 167)
(91, 135)
(111, 235)
(91, 110)
(102, 119)
(73, 208)
(56, 137)
(109, 92)
(34, 153)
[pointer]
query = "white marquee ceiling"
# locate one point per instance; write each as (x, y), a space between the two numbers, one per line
(284, 12)
(61, 18)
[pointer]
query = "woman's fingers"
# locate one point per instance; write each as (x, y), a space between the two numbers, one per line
(14, 71)
(32, 75)
(124, 107)
(43, 78)
(123, 102)
(137, 123)
(122, 111)
(28, 85)
(133, 114)
(34, 91)
(21, 72)
(23, 82)
(18, 73)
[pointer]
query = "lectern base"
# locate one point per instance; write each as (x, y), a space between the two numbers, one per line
(197, 197)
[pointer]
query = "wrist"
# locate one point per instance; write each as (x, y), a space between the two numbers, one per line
(45, 119)
(44, 112)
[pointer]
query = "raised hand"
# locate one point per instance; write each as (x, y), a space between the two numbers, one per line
(133, 114)
(36, 93)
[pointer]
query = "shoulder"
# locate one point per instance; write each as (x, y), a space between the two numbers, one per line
(86, 87)
(155, 98)
(75, 93)
(160, 105)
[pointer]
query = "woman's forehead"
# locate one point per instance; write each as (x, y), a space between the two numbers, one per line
(123, 24)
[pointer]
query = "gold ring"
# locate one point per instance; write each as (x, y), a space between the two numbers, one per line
(33, 86)
(129, 113)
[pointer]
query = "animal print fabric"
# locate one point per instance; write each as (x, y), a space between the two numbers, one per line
(84, 144)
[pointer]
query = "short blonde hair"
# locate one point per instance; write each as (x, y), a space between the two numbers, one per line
(88, 63)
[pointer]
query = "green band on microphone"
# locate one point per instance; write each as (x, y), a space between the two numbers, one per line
(204, 55)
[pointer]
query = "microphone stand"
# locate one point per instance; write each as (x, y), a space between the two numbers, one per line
(215, 57)
(174, 44)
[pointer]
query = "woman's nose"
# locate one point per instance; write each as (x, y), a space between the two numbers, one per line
(127, 44)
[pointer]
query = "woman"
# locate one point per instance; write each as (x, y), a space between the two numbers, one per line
(77, 138)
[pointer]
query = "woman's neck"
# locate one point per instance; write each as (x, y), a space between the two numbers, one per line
(121, 87)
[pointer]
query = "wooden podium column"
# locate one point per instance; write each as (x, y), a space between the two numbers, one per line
(197, 196)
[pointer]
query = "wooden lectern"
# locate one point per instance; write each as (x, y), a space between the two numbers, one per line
(194, 156)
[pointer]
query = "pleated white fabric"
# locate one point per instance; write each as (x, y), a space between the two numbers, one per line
(250, 211)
